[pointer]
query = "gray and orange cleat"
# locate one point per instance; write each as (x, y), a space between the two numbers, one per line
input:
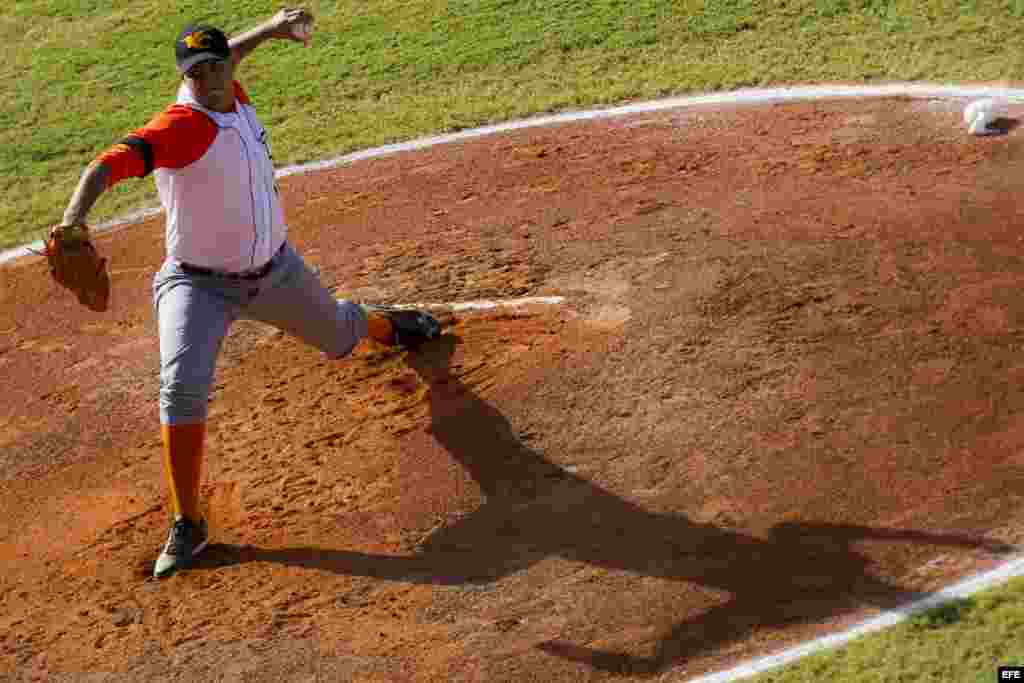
(185, 540)
(410, 327)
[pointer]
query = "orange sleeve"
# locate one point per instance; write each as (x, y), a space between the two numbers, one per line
(174, 138)
(123, 162)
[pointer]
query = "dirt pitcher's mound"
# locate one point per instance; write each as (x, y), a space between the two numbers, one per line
(784, 392)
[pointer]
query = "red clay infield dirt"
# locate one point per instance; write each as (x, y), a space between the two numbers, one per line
(785, 391)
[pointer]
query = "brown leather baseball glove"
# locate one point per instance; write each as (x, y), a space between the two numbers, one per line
(75, 264)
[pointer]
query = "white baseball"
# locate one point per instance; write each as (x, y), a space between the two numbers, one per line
(979, 114)
(303, 30)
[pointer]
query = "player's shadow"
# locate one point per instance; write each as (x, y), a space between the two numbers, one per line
(534, 509)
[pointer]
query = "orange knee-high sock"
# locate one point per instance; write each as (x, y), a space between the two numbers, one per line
(183, 465)
(380, 329)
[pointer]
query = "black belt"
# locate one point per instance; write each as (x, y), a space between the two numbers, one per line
(248, 275)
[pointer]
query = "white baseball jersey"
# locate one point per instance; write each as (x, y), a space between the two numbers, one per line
(215, 178)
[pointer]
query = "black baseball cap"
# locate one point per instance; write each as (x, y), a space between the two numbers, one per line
(200, 43)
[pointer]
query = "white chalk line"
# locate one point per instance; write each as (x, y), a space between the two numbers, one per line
(958, 591)
(748, 96)
(752, 96)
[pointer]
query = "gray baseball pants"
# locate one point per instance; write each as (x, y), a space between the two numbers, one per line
(195, 312)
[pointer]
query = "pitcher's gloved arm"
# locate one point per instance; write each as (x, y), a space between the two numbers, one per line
(278, 26)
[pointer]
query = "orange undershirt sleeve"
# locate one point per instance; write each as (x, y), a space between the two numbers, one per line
(174, 138)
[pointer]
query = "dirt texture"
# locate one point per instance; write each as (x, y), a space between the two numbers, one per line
(785, 391)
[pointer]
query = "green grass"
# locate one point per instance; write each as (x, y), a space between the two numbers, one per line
(79, 75)
(964, 641)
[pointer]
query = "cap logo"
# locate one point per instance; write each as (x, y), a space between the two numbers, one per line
(198, 41)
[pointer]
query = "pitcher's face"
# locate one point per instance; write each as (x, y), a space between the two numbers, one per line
(212, 84)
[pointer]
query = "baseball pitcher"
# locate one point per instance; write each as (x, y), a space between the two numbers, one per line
(227, 252)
